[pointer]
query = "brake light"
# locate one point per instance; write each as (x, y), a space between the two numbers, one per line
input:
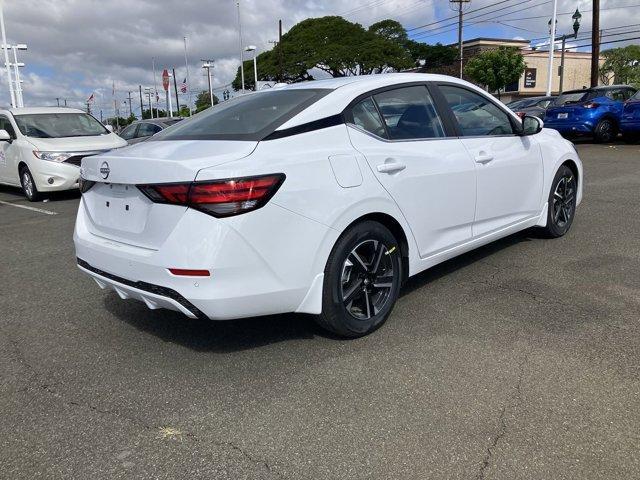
(591, 105)
(220, 198)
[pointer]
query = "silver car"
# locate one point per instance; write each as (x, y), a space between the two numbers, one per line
(142, 130)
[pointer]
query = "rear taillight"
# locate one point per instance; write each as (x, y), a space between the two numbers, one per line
(591, 105)
(220, 198)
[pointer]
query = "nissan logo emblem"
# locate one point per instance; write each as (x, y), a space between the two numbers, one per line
(104, 170)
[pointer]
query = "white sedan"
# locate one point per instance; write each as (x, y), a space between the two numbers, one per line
(320, 197)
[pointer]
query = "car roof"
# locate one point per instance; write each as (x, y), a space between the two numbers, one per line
(345, 89)
(41, 110)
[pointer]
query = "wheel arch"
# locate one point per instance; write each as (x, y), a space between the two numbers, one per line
(396, 229)
(22, 165)
(573, 166)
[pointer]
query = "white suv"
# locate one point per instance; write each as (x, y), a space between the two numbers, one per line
(41, 148)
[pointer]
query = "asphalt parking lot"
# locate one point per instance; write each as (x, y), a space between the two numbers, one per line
(520, 360)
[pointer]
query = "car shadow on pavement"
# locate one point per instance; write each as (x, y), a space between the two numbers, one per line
(249, 333)
(16, 192)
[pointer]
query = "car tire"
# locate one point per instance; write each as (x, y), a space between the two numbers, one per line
(28, 184)
(562, 203)
(606, 131)
(362, 280)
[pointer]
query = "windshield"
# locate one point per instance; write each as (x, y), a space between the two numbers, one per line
(249, 117)
(59, 125)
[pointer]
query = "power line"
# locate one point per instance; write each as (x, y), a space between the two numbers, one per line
(422, 34)
(455, 16)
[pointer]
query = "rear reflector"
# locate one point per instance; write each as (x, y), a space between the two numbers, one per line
(220, 198)
(185, 272)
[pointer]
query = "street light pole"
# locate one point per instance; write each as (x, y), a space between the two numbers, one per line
(576, 26)
(6, 55)
(241, 49)
(208, 65)
(552, 43)
(253, 48)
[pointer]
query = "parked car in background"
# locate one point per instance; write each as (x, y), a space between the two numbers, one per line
(630, 122)
(534, 106)
(595, 112)
(41, 148)
(319, 197)
(142, 130)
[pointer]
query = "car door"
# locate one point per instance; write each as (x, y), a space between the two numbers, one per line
(9, 153)
(425, 169)
(509, 166)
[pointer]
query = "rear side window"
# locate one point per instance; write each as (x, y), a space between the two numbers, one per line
(248, 117)
(476, 114)
(409, 113)
(365, 116)
(148, 129)
(129, 132)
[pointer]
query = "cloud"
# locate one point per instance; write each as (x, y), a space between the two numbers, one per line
(80, 46)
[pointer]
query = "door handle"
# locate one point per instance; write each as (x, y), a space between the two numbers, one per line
(483, 158)
(391, 167)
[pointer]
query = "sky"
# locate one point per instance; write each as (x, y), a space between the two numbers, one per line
(80, 47)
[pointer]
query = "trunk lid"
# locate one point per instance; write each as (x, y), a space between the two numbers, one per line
(117, 210)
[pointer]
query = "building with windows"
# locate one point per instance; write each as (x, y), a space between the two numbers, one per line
(577, 67)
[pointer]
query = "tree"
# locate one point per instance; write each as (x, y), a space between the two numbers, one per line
(390, 30)
(496, 68)
(203, 101)
(431, 56)
(621, 65)
(331, 44)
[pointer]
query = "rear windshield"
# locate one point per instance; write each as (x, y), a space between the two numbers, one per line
(249, 117)
(59, 125)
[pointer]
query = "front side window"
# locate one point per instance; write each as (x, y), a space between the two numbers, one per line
(59, 125)
(476, 114)
(5, 124)
(248, 117)
(409, 113)
(129, 132)
(365, 116)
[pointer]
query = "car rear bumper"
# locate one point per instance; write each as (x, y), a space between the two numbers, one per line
(259, 264)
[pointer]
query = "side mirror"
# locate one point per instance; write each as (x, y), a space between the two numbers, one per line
(109, 127)
(531, 125)
(4, 136)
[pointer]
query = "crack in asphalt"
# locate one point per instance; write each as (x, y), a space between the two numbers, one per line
(503, 427)
(49, 389)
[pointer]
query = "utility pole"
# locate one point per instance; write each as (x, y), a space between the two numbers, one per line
(280, 53)
(186, 64)
(141, 102)
(208, 65)
(552, 45)
(175, 88)
(460, 9)
(130, 109)
(595, 43)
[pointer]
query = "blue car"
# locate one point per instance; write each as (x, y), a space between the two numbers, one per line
(630, 123)
(594, 112)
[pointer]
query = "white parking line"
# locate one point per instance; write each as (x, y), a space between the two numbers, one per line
(26, 207)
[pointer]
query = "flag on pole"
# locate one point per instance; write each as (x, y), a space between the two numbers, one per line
(91, 99)
(183, 87)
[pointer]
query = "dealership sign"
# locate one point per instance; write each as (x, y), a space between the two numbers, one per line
(529, 78)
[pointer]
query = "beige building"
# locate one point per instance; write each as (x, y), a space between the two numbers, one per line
(577, 67)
